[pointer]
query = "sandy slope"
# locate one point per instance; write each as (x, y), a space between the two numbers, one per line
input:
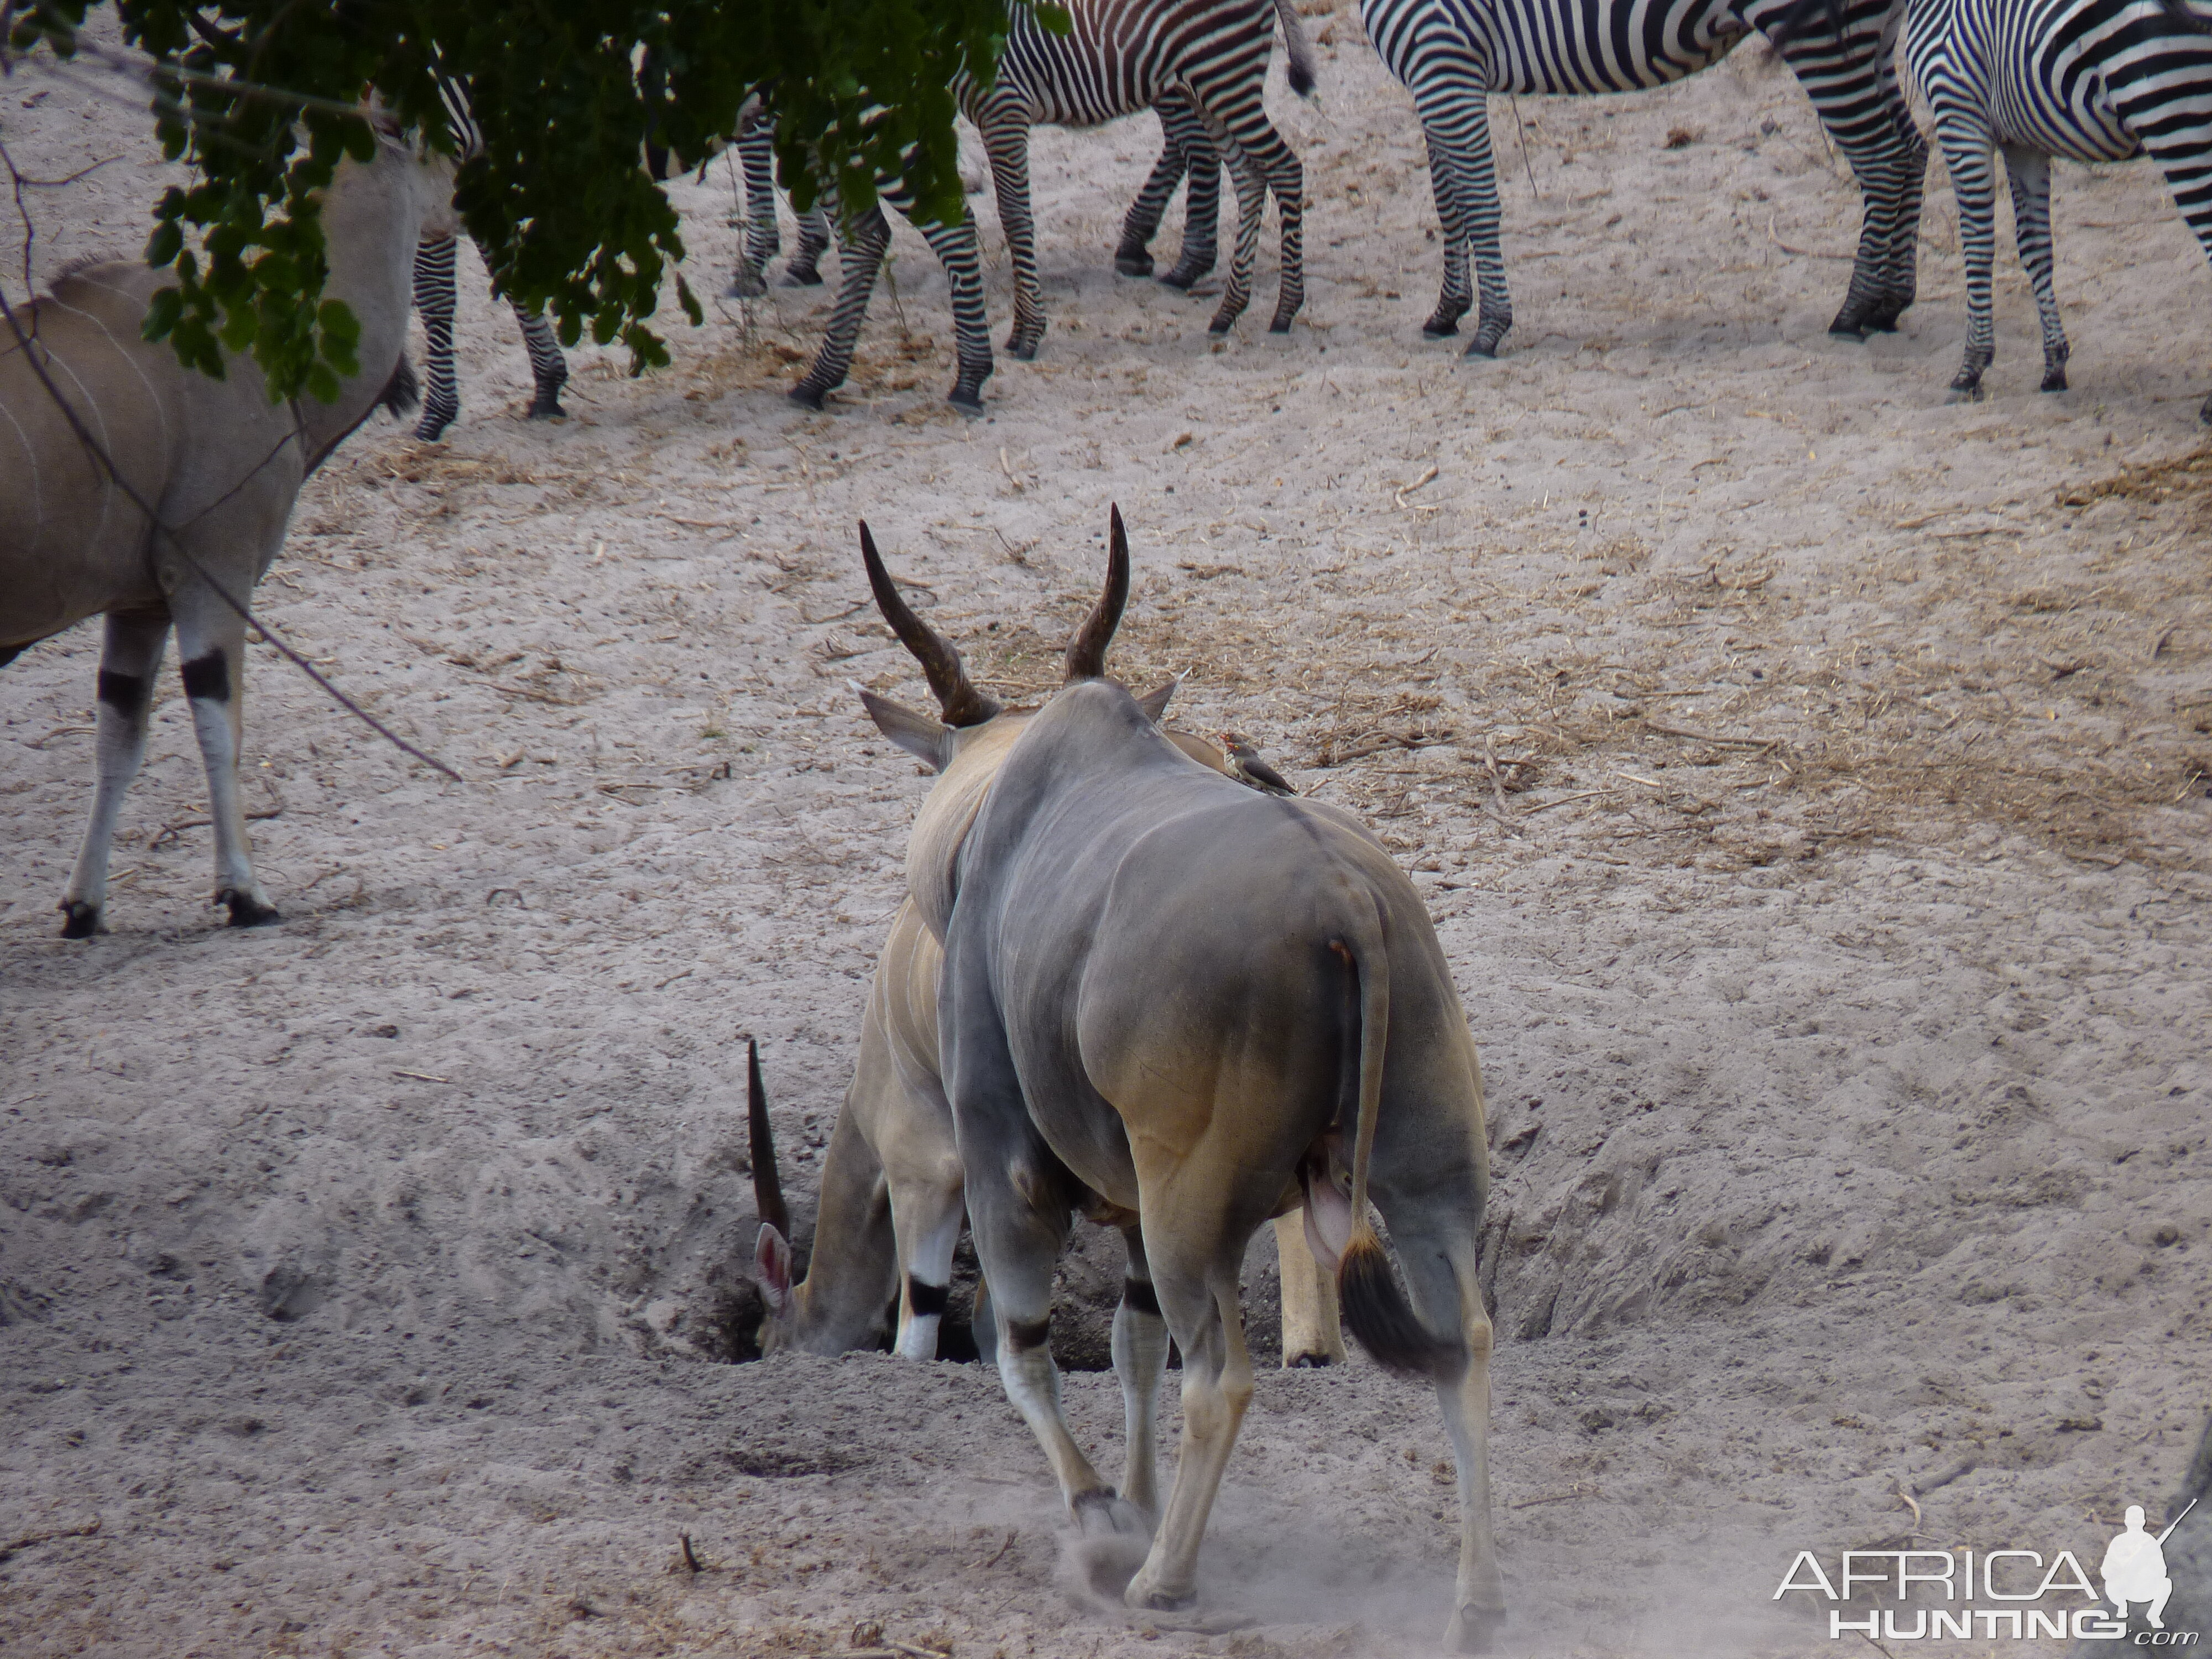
(1837, 970)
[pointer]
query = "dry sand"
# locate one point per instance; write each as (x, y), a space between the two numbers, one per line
(1808, 779)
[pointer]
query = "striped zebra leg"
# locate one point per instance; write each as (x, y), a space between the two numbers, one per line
(1455, 114)
(1965, 142)
(860, 256)
(1456, 298)
(1201, 206)
(1133, 257)
(434, 298)
(1184, 149)
(2030, 173)
(1003, 119)
(549, 368)
(805, 268)
(756, 159)
(1259, 161)
(1855, 94)
(859, 259)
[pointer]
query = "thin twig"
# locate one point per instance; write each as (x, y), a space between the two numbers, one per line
(991, 1560)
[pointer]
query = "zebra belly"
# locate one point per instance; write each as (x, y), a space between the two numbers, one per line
(2093, 133)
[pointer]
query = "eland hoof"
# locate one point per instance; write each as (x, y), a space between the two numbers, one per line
(247, 910)
(79, 920)
(1472, 1628)
(1303, 1361)
(805, 396)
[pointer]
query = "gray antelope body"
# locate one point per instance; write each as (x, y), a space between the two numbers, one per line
(1166, 995)
(218, 463)
(892, 1201)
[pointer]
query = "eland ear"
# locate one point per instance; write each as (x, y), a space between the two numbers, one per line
(772, 1269)
(927, 740)
(1155, 702)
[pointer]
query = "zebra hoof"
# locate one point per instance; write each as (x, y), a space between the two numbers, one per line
(1022, 351)
(2054, 379)
(1880, 322)
(1188, 272)
(1440, 328)
(245, 910)
(1965, 394)
(805, 396)
(431, 427)
(2205, 414)
(745, 288)
(1280, 325)
(1139, 264)
(547, 407)
(968, 399)
(1842, 329)
(79, 920)
(801, 276)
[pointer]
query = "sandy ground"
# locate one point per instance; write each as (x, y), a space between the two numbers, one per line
(1808, 779)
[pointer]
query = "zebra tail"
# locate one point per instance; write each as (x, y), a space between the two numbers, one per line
(2178, 11)
(1300, 53)
(401, 394)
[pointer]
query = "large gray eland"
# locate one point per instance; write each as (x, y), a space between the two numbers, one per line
(1167, 996)
(891, 1205)
(218, 464)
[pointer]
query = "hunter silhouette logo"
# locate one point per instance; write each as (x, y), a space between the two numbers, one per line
(2133, 1573)
(2134, 1568)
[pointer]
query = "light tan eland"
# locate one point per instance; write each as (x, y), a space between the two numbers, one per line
(1202, 1005)
(218, 464)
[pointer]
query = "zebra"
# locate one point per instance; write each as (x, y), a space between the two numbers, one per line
(1452, 54)
(2088, 79)
(1122, 55)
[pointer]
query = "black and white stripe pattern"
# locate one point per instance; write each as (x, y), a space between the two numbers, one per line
(1122, 55)
(1452, 54)
(1185, 149)
(861, 255)
(434, 298)
(2088, 79)
(756, 163)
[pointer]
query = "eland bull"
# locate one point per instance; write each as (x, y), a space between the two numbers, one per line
(99, 424)
(1167, 997)
(892, 1203)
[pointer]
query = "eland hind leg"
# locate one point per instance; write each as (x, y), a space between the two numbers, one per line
(1140, 1360)
(1195, 1252)
(129, 660)
(926, 1217)
(211, 653)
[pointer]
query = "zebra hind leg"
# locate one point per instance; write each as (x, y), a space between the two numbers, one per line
(1201, 207)
(756, 157)
(862, 258)
(1133, 258)
(1201, 218)
(2031, 203)
(549, 368)
(434, 298)
(805, 268)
